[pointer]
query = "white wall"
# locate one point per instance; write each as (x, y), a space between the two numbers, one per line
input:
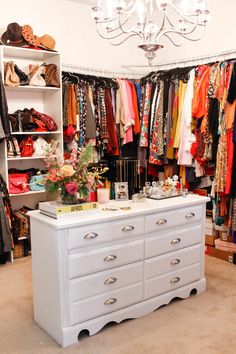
(220, 34)
(74, 30)
(70, 23)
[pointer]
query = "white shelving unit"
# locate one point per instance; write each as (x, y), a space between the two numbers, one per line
(45, 100)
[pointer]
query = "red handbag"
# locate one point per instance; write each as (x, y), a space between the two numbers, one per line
(48, 121)
(18, 183)
(26, 147)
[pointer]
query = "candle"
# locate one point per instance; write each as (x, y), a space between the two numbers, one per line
(103, 195)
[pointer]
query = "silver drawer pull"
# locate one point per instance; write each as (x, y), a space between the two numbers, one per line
(90, 236)
(175, 241)
(189, 215)
(110, 281)
(175, 280)
(110, 301)
(110, 258)
(175, 261)
(128, 228)
(161, 222)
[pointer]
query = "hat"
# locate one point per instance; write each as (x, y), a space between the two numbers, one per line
(13, 35)
(27, 33)
(47, 42)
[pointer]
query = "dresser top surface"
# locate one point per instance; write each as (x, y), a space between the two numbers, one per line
(134, 209)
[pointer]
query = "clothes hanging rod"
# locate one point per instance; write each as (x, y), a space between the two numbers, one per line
(100, 72)
(220, 56)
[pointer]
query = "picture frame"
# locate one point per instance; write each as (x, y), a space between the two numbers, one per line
(121, 191)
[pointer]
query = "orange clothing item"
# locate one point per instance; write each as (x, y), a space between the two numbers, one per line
(71, 106)
(230, 112)
(199, 103)
(136, 127)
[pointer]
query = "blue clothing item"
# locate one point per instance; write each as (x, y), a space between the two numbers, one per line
(138, 91)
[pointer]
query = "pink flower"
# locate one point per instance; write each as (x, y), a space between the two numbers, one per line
(71, 187)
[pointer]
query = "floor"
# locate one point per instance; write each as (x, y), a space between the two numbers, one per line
(204, 324)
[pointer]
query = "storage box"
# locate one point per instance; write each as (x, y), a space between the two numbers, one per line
(225, 246)
(210, 228)
(18, 251)
(226, 256)
(210, 240)
(225, 237)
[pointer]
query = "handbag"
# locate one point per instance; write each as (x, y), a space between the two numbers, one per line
(40, 147)
(18, 183)
(51, 75)
(48, 121)
(36, 183)
(14, 122)
(26, 147)
(11, 78)
(13, 149)
(24, 80)
(37, 79)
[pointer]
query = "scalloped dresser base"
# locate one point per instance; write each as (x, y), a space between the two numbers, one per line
(70, 335)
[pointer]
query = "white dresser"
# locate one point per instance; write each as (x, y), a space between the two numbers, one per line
(98, 266)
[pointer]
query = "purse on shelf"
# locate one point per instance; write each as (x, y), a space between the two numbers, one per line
(18, 183)
(48, 121)
(36, 79)
(26, 147)
(11, 78)
(24, 80)
(13, 149)
(14, 122)
(40, 146)
(36, 183)
(51, 75)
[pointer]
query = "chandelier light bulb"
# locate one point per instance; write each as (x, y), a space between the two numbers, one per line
(97, 13)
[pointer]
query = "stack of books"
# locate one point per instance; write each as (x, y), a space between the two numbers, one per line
(55, 209)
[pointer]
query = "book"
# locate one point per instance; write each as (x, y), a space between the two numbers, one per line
(55, 209)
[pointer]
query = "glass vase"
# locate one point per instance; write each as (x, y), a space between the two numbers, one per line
(67, 198)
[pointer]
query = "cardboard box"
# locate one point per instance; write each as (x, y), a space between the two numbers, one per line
(226, 256)
(210, 240)
(18, 251)
(225, 237)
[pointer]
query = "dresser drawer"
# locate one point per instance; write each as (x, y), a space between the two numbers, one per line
(105, 303)
(171, 281)
(170, 262)
(105, 258)
(172, 240)
(104, 232)
(95, 284)
(162, 221)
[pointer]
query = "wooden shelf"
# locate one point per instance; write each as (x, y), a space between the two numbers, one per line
(27, 193)
(36, 133)
(27, 53)
(27, 158)
(28, 88)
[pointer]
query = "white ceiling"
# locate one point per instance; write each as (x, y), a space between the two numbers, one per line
(85, 2)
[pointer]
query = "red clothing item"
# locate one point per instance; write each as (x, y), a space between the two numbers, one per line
(135, 108)
(112, 147)
(230, 155)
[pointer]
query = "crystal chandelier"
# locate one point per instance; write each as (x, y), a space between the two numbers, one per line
(150, 20)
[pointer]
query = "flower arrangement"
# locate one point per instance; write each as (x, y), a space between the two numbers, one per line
(71, 176)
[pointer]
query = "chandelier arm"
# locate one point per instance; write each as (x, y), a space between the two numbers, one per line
(123, 41)
(176, 31)
(172, 41)
(185, 37)
(178, 12)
